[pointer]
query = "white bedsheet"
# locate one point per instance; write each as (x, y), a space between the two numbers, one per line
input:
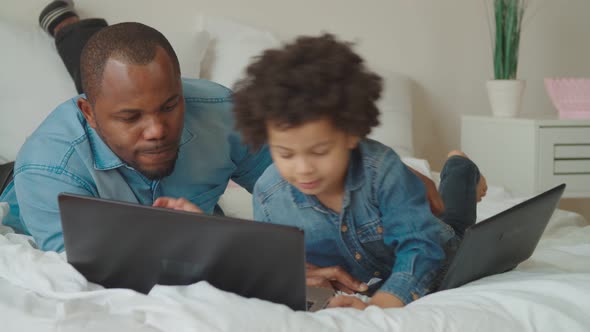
(549, 292)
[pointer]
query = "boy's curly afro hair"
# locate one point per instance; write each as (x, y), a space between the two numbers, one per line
(309, 79)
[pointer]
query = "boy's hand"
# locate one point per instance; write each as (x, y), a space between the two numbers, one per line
(436, 203)
(380, 299)
(386, 300)
(343, 301)
(176, 204)
(333, 277)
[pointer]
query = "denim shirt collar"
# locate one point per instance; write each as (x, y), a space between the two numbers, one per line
(106, 159)
(355, 178)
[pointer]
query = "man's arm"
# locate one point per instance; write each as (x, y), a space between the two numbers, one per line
(250, 164)
(37, 189)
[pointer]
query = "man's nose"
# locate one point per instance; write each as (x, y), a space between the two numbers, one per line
(155, 129)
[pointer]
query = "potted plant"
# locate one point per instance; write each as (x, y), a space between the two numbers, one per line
(505, 90)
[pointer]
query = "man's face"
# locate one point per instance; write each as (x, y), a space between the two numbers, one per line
(312, 157)
(139, 113)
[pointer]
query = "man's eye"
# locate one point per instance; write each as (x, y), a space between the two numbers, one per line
(285, 156)
(129, 119)
(170, 108)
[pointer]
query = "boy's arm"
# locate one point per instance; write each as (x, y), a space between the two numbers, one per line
(331, 276)
(410, 228)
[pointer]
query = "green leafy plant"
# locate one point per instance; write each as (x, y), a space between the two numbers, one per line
(508, 17)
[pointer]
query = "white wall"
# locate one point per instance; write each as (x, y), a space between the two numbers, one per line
(442, 44)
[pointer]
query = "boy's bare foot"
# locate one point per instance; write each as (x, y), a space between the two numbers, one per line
(482, 185)
(457, 153)
(482, 188)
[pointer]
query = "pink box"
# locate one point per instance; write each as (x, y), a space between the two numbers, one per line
(571, 96)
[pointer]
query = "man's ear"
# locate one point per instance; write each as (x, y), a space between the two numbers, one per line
(86, 108)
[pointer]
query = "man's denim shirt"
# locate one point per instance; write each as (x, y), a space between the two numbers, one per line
(65, 155)
(385, 229)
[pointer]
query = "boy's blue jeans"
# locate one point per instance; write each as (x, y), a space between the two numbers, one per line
(458, 189)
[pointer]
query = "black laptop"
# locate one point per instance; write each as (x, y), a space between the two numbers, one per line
(124, 245)
(499, 243)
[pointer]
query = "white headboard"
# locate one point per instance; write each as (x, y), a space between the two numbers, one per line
(36, 80)
(232, 46)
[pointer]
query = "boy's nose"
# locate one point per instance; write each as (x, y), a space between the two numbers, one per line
(303, 166)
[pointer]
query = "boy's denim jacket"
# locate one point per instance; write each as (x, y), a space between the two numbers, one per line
(386, 229)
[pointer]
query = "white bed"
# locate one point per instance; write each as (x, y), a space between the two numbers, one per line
(549, 292)
(41, 292)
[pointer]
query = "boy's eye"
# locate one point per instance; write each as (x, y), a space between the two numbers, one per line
(320, 153)
(285, 156)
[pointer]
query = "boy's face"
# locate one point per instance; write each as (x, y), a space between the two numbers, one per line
(312, 157)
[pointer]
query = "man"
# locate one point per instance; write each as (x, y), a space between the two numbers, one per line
(139, 132)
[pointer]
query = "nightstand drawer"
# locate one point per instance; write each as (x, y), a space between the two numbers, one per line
(564, 157)
(565, 167)
(572, 151)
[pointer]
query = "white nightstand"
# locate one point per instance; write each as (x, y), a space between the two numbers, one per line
(530, 155)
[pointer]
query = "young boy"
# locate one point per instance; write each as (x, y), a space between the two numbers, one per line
(313, 103)
(362, 209)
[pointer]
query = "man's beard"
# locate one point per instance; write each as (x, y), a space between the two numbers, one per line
(157, 174)
(149, 174)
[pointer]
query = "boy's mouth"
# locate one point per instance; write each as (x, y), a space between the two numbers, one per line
(309, 185)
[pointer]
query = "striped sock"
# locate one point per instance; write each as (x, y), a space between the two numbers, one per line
(54, 13)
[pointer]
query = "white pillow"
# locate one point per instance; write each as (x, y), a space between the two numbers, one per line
(420, 165)
(232, 48)
(33, 81)
(190, 47)
(236, 202)
(395, 105)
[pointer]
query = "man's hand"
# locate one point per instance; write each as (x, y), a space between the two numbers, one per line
(333, 277)
(380, 299)
(436, 203)
(176, 204)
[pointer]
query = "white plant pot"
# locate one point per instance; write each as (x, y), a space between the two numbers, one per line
(505, 97)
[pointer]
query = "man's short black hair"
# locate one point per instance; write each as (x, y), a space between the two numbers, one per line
(130, 42)
(306, 80)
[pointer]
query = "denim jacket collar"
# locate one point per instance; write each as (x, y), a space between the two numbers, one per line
(106, 159)
(355, 178)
